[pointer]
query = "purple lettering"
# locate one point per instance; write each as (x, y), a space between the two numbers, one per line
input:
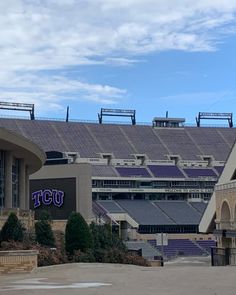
(47, 197)
(57, 197)
(36, 198)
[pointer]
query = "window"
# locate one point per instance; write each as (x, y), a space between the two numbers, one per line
(177, 184)
(157, 184)
(15, 184)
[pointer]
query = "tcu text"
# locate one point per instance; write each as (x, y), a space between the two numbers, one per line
(48, 197)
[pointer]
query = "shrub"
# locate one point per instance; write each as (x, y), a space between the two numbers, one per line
(83, 257)
(77, 234)
(114, 255)
(45, 216)
(43, 230)
(47, 256)
(12, 230)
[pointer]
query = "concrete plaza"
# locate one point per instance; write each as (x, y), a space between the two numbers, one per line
(104, 279)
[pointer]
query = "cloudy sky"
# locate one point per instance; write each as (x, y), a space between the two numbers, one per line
(152, 56)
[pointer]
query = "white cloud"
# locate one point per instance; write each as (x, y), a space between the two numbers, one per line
(49, 92)
(39, 35)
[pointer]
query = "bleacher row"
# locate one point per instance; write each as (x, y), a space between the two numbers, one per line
(185, 247)
(146, 212)
(158, 171)
(175, 247)
(124, 141)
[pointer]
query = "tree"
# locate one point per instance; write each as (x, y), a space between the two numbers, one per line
(102, 235)
(77, 234)
(106, 243)
(105, 238)
(43, 230)
(12, 230)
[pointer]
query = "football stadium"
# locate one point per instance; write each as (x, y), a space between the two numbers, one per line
(149, 181)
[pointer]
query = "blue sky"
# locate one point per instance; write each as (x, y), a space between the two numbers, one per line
(151, 56)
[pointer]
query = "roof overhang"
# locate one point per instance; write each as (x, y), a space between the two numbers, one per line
(22, 148)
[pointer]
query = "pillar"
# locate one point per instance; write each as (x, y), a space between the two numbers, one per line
(84, 191)
(26, 188)
(22, 184)
(8, 179)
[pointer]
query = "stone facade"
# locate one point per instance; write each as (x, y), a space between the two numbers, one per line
(17, 261)
(226, 213)
(59, 225)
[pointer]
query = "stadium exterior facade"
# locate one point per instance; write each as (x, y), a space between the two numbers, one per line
(147, 179)
(19, 158)
(224, 205)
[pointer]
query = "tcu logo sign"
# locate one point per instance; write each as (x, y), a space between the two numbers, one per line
(48, 197)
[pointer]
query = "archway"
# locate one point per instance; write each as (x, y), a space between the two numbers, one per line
(225, 212)
(225, 215)
(234, 216)
(225, 224)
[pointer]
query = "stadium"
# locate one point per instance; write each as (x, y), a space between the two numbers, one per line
(144, 179)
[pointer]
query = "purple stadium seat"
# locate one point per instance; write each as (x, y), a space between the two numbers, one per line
(179, 247)
(166, 171)
(133, 172)
(199, 172)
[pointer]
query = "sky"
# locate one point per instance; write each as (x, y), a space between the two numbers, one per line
(152, 56)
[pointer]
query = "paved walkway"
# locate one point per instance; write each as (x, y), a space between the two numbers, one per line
(104, 279)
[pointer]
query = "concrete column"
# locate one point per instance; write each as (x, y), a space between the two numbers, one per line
(84, 191)
(26, 188)
(8, 179)
(22, 184)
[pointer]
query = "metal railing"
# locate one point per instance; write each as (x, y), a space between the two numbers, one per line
(223, 256)
(108, 122)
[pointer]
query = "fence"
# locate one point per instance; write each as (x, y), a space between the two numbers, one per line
(223, 256)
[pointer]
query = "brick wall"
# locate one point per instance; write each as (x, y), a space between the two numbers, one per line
(18, 261)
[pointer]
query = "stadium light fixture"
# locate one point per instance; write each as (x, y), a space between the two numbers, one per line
(14, 106)
(117, 113)
(214, 116)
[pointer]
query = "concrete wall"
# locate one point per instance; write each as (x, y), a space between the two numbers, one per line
(82, 173)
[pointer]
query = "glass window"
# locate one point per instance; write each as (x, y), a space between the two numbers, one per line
(15, 184)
